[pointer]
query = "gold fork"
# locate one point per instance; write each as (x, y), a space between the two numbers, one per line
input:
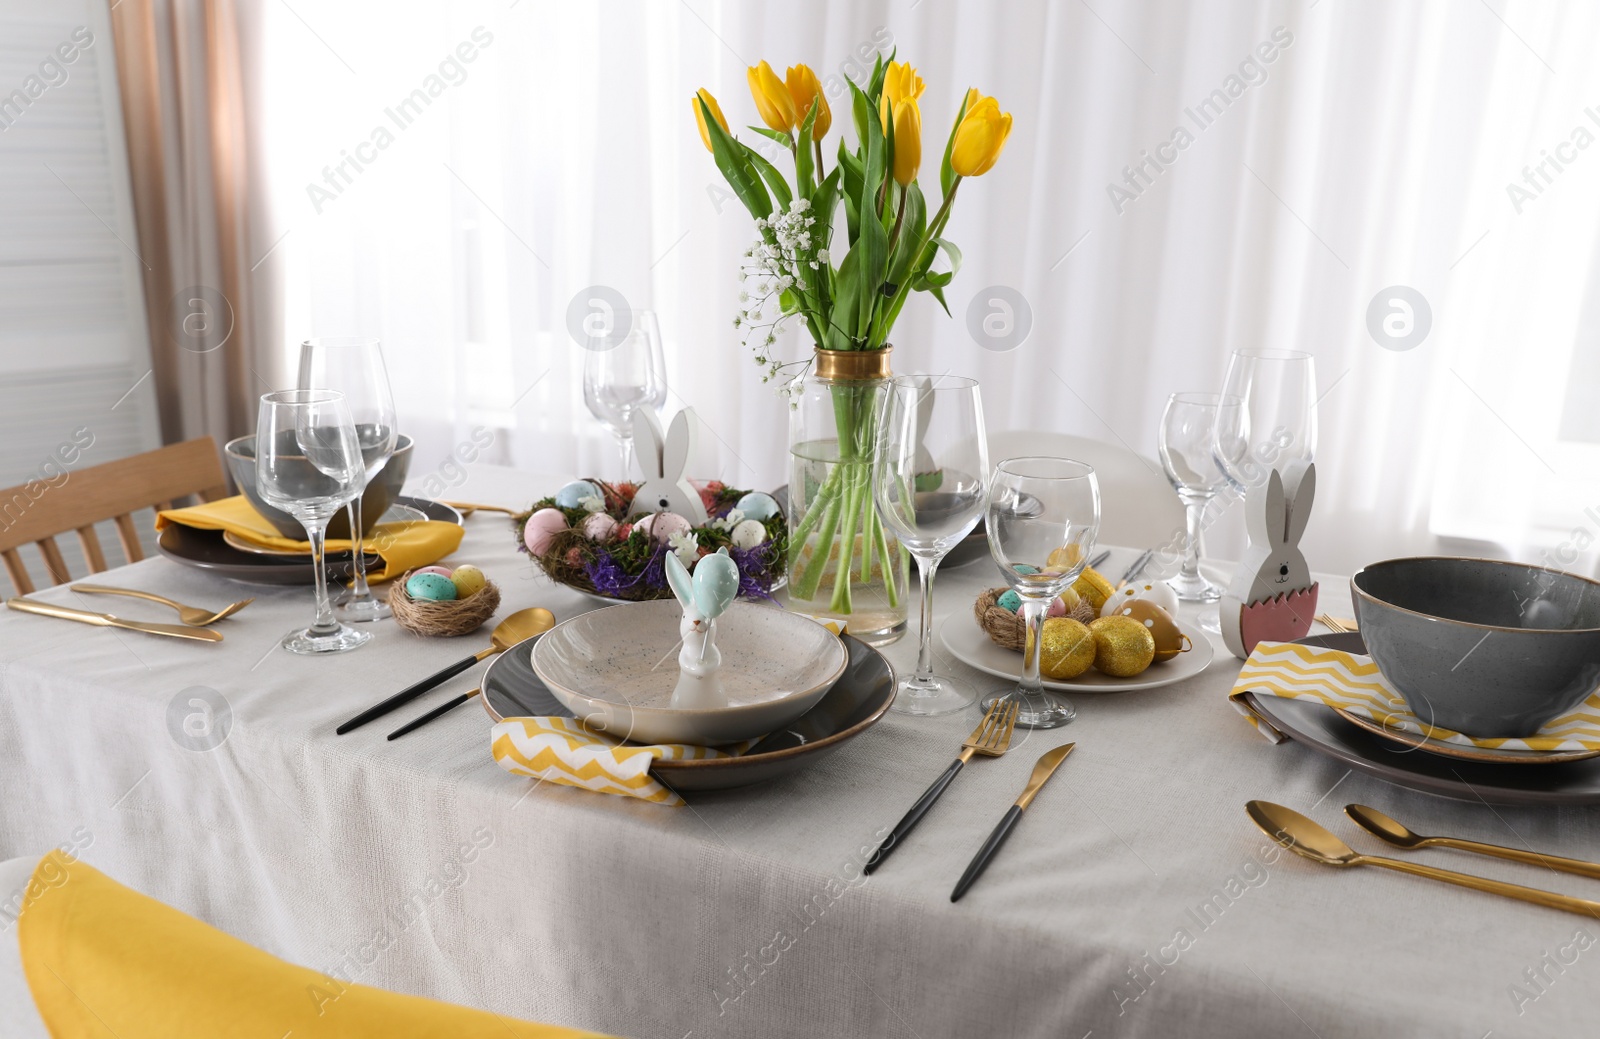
(194, 616)
(1337, 625)
(991, 739)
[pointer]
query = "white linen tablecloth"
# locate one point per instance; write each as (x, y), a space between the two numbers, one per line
(1135, 898)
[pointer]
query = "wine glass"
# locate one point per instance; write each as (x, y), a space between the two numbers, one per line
(1188, 454)
(1272, 423)
(1043, 516)
(622, 376)
(928, 477)
(308, 463)
(354, 366)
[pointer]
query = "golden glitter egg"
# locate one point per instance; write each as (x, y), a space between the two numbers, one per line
(1093, 588)
(1064, 558)
(1122, 646)
(1069, 649)
(1169, 640)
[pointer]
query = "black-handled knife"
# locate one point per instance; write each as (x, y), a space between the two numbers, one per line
(918, 810)
(1041, 772)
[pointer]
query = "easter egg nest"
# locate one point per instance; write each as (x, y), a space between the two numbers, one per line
(1007, 629)
(448, 617)
(630, 565)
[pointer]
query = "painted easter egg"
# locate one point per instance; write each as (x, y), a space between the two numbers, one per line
(442, 571)
(1123, 647)
(758, 505)
(571, 496)
(663, 525)
(1057, 608)
(431, 587)
(1169, 640)
(469, 580)
(748, 534)
(1069, 649)
(1158, 592)
(541, 528)
(598, 526)
(1009, 600)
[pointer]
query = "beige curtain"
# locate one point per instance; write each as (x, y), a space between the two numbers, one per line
(185, 68)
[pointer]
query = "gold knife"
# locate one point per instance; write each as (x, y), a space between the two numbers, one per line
(106, 620)
(1041, 772)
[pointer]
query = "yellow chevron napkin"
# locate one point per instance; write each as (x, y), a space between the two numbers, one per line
(1352, 682)
(561, 750)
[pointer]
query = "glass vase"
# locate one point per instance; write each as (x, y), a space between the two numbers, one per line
(843, 565)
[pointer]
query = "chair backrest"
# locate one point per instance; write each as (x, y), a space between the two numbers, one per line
(76, 500)
(1138, 506)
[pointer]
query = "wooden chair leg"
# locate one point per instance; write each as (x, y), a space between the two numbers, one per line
(128, 534)
(91, 549)
(18, 573)
(53, 563)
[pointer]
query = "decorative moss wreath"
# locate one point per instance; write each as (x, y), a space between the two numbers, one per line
(631, 565)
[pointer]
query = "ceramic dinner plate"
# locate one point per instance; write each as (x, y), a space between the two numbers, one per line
(206, 550)
(1323, 731)
(968, 644)
(857, 700)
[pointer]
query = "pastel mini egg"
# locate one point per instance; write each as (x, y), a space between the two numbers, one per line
(1058, 608)
(748, 534)
(541, 528)
(469, 580)
(1024, 568)
(598, 526)
(758, 505)
(572, 495)
(431, 587)
(663, 525)
(1158, 592)
(442, 571)
(1009, 600)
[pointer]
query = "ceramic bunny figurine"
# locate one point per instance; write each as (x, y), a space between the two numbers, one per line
(1272, 597)
(664, 460)
(704, 598)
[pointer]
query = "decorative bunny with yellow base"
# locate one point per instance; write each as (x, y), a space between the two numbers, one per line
(1272, 597)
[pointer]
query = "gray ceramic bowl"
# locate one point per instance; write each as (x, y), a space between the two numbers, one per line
(1487, 648)
(379, 495)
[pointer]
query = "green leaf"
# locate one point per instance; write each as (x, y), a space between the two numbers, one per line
(861, 112)
(851, 173)
(879, 70)
(912, 225)
(774, 179)
(823, 203)
(873, 241)
(947, 176)
(731, 158)
(938, 293)
(803, 167)
(847, 296)
(777, 135)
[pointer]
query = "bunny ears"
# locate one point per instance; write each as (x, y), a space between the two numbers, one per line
(713, 587)
(1281, 519)
(664, 460)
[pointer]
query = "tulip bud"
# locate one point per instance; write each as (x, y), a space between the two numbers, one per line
(700, 117)
(901, 83)
(771, 97)
(805, 91)
(907, 142)
(980, 138)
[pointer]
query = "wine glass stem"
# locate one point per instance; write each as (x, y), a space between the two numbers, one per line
(625, 441)
(359, 588)
(926, 566)
(1194, 512)
(1033, 612)
(316, 533)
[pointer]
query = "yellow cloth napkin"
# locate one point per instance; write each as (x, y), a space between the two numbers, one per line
(102, 960)
(561, 750)
(402, 546)
(1352, 682)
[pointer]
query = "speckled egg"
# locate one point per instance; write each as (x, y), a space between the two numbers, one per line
(1057, 608)
(598, 526)
(758, 505)
(469, 580)
(1025, 568)
(1009, 600)
(663, 525)
(430, 586)
(541, 528)
(571, 496)
(442, 571)
(1158, 592)
(748, 534)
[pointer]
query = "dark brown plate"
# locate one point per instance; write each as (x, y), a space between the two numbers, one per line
(857, 700)
(206, 550)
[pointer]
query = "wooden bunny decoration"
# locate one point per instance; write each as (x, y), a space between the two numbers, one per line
(1272, 597)
(704, 597)
(664, 460)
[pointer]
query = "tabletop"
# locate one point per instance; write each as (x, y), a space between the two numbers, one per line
(1135, 898)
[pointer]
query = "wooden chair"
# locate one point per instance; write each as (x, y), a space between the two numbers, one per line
(110, 491)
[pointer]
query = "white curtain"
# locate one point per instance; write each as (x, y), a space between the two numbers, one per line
(1373, 149)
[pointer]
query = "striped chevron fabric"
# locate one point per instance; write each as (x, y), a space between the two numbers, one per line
(1353, 683)
(561, 750)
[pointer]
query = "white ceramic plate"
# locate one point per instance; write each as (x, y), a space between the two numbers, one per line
(967, 643)
(617, 668)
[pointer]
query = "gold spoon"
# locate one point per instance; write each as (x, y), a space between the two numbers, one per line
(191, 615)
(1309, 840)
(1391, 830)
(524, 624)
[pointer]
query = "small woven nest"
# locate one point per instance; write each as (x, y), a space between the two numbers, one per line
(1006, 629)
(451, 617)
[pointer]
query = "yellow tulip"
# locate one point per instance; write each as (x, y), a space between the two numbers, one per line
(980, 138)
(901, 83)
(771, 97)
(700, 117)
(907, 142)
(805, 91)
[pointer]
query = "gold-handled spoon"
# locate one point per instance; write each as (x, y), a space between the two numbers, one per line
(1312, 841)
(191, 615)
(1386, 829)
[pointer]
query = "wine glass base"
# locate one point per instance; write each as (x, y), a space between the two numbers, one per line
(1197, 589)
(1044, 710)
(1211, 620)
(927, 697)
(364, 609)
(340, 639)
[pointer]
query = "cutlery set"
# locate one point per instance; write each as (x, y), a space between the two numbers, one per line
(195, 619)
(1310, 840)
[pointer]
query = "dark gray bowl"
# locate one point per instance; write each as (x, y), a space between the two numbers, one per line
(1484, 647)
(380, 493)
